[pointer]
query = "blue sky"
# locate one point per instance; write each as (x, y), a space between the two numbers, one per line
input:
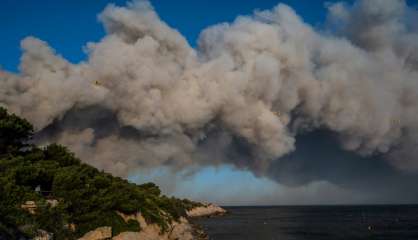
(68, 25)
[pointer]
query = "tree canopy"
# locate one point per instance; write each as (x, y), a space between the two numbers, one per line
(87, 197)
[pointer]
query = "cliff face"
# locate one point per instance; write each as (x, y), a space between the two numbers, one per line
(180, 230)
(177, 230)
(98, 234)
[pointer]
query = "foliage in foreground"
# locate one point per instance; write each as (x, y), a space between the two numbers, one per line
(87, 197)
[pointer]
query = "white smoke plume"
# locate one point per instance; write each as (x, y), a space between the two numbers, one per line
(146, 98)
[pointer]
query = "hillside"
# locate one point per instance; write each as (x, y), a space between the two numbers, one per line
(69, 198)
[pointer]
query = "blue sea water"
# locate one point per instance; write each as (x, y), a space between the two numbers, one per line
(398, 222)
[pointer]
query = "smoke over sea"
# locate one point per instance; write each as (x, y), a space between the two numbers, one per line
(267, 93)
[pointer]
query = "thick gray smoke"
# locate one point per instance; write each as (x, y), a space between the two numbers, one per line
(145, 98)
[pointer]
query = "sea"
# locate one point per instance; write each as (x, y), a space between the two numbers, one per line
(398, 222)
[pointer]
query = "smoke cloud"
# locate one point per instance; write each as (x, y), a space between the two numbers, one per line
(246, 96)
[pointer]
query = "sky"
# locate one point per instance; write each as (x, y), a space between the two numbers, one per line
(68, 26)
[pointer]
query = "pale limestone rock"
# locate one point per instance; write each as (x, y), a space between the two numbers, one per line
(207, 210)
(43, 235)
(148, 231)
(98, 234)
(180, 230)
(29, 206)
(143, 235)
(52, 202)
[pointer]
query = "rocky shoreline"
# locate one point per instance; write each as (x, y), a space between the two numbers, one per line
(198, 232)
(206, 210)
(184, 229)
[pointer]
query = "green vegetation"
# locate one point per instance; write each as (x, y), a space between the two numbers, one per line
(87, 197)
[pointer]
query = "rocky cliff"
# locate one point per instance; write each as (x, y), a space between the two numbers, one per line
(181, 229)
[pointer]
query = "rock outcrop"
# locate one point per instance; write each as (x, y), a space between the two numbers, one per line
(206, 210)
(29, 206)
(43, 235)
(178, 230)
(100, 233)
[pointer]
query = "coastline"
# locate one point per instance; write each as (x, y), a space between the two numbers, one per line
(208, 210)
(183, 229)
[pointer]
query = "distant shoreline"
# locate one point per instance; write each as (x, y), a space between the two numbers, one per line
(320, 205)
